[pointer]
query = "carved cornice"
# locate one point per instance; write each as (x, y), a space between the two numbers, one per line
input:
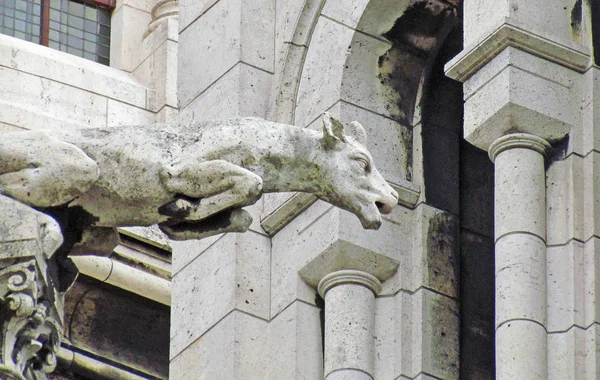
(518, 140)
(30, 338)
(471, 59)
(349, 276)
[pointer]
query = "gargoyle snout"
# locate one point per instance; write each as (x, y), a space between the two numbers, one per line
(386, 203)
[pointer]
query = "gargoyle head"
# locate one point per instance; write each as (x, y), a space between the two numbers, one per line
(351, 180)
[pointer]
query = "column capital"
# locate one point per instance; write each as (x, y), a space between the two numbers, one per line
(161, 12)
(348, 276)
(518, 140)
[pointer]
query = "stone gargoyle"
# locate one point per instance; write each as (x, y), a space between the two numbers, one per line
(190, 179)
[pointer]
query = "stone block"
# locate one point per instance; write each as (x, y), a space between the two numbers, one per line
(125, 114)
(566, 202)
(190, 10)
(521, 351)
(362, 82)
(185, 251)
(320, 85)
(520, 193)
(233, 273)
(572, 354)
(520, 279)
(347, 13)
(572, 285)
(295, 343)
(294, 21)
(552, 21)
(159, 72)
(54, 99)
(235, 348)
(243, 91)
(566, 274)
(591, 195)
(415, 334)
(349, 328)
(229, 32)
(77, 72)
(433, 262)
(430, 335)
(15, 118)
(507, 98)
(144, 5)
(128, 25)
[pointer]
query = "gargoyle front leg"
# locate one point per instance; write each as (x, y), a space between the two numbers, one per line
(207, 189)
(42, 171)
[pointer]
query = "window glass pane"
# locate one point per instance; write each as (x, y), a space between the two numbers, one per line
(75, 32)
(76, 22)
(74, 27)
(104, 16)
(76, 8)
(21, 5)
(16, 19)
(20, 26)
(91, 13)
(54, 15)
(104, 31)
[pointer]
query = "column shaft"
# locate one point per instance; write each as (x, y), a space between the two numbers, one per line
(520, 224)
(349, 327)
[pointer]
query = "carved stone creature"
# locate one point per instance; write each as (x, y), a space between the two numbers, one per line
(193, 180)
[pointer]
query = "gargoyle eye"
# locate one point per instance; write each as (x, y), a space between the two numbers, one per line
(363, 163)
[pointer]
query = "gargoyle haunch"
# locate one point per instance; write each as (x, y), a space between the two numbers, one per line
(193, 179)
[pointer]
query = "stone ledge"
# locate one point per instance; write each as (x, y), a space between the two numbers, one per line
(408, 196)
(473, 58)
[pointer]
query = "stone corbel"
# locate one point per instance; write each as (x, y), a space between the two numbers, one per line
(30, 336)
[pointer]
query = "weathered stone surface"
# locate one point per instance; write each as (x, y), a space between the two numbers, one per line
(228, 163)
(118, 326)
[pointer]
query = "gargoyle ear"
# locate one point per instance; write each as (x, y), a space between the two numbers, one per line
(357, 132)
(333, 130)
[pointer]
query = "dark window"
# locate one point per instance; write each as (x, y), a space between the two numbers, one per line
(79, 28)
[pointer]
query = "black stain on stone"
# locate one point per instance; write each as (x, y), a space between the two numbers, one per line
(72, 221)
(320, 303)
(217, 221)
(594, 6)
(576, 18)
(442, 253)
(415, 38)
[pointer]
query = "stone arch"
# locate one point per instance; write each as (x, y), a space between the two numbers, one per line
(367, 62)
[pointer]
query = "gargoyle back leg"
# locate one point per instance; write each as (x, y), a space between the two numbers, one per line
(42, 171)
(214, 186)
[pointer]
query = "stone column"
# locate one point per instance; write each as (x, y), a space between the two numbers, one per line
(349, 324)
(521, 71)
(520, 234)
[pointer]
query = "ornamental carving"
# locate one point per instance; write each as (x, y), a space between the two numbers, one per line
(30, 337)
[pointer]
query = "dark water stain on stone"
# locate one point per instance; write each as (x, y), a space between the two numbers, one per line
(576, 18)
(217, 221)
(72, 221)
(442, 253)
(594, 6)
(415, 38)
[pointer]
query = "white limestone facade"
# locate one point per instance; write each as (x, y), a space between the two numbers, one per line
(487, 268)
